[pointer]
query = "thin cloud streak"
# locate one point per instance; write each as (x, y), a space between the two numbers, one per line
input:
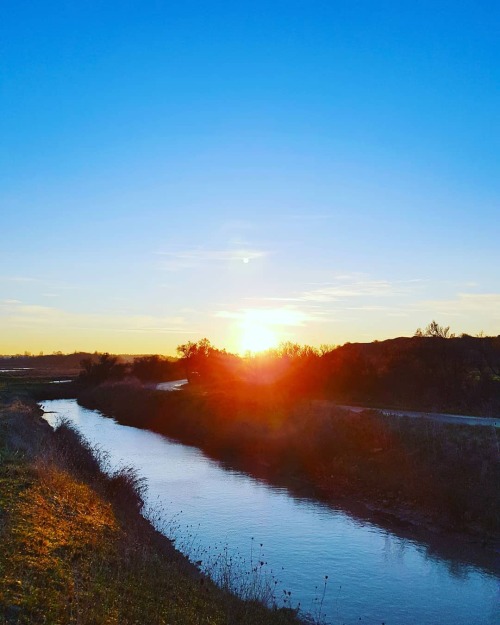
(188, 259)
(353, 286)
(269, 316)
(347, 287)
(15, 314)
(358, 289)
(18, 279)
(466, 303)
(48, 284)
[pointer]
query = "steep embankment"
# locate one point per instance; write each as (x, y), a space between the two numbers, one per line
(75, 548)
(435, 474)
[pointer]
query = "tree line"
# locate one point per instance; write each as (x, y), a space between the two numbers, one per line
(433, 370)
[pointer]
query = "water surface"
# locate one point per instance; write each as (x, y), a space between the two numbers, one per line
(375, 576)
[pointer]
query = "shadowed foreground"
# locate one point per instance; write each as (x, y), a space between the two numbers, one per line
(439, 475)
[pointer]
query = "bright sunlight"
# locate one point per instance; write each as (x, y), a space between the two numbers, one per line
(256, 337)
(262, 329)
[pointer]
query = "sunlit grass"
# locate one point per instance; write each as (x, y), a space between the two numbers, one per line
(74, 553)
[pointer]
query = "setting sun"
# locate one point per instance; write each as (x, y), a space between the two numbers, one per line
(256, 337)
(259, 329)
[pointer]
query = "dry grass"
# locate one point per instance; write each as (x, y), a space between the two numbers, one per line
(72, 553)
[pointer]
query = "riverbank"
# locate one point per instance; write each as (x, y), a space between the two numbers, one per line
(75, 548)
(435, 475)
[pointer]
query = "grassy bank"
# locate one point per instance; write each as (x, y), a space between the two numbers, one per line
(75, 548)
(437, 474)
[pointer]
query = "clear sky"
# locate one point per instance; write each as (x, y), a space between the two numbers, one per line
(319, 172)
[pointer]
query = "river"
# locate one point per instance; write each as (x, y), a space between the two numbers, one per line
(375, 575)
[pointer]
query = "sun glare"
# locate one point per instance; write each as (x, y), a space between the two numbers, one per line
(256, 337)
(260, 329)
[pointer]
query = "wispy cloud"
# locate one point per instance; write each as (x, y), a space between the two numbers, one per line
(15, 314)
(268, 316)
(12, 308)
(465, 304)
(10, 302)
(48, 284)
(343, 288)
(18, 279)
(335, 292)
(370, 308)
(187, 259)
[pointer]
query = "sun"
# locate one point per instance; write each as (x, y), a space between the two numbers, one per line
(256, 337)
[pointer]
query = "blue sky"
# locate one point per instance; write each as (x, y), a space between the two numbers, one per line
(318, 171)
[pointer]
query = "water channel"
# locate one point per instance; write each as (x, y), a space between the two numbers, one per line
(375, 574)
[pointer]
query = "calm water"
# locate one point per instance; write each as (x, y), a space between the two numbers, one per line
(374, 575)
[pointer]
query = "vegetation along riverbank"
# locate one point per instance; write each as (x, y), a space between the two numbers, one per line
(75, 548)
(441, 475)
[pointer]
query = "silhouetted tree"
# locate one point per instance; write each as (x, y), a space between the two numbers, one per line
(435, 330)
(107, 367)
(203, 362)
(154, 368)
